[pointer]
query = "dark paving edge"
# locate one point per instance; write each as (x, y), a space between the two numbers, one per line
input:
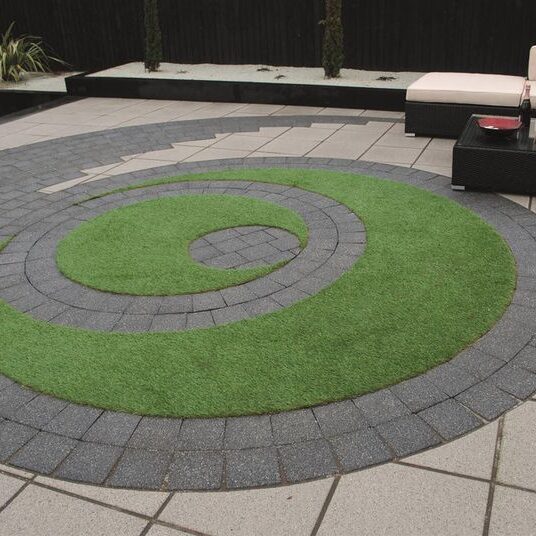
(83, 444)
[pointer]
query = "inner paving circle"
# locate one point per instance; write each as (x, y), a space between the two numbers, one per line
(336, 238)
(245, 247)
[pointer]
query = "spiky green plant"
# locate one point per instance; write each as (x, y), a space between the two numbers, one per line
(20, 55)
(332, 50)
(153, 36)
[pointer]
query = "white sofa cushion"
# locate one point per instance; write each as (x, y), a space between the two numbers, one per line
(532, 75)
(532, 64)
(468, 88)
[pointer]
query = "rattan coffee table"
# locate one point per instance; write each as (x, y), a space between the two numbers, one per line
(485, 162)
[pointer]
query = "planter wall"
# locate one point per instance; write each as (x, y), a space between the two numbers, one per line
(416, 35)
(246, 92)
(13, 101)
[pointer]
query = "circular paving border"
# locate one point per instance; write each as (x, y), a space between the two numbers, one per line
(336, 238)
(80, 443)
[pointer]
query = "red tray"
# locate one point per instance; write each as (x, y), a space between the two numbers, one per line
(499, 126)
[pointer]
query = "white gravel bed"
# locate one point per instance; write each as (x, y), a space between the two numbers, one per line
(264, 73)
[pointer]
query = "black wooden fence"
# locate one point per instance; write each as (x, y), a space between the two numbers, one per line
(418, 35)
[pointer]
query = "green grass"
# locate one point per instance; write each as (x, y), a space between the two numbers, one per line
(434, 277)
(142, 249)
(5, 242)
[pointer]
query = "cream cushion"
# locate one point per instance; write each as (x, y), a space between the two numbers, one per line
(468, 88)
(532, 76)
(532, 63)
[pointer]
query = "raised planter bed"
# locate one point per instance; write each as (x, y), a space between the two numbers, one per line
(247, 84)
(36, 91)
(13, 101)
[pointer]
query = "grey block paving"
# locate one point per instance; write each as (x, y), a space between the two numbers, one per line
(39, 411)
(245, 247)
(130, 323)
(248, 432)
(505, 347)
(517, 381)
(228, 260)
(261, 251)
(14, 397)
(89, 462)
(306, 460)
(208, 301)
(450, 379)
(237, 295)
(140, 469)
(360, 449)
(48, 310)
(526, 359)
(13, 436)
(88, 445)
(294, 426)
(28, 302)
(156, 433)
(202, 253)
(381, 406)
(11, 280)
(418, 393)
(196, 470)
(43, 453)
(73, 421)
(408, 434)
(450, 419)
(112, 428)
(229, 314)
(477, 363)
(168, 322)
(150, 305)
(201, 434)
(261, 306)
(252, 467)
(339, 418)
(289, 296)
(5, 382)
(88, 319)
(199, 320)
(487, 400)
(176, 305)
(311, 285)
(262, 287)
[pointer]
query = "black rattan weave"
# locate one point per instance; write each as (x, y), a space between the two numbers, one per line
(482, 161)
(446, 120)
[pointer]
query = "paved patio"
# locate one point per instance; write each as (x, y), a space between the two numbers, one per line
(483, 483)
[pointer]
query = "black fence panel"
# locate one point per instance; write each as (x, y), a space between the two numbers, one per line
(88, 34)
(444, 35)
(278, 32)
(417, 35)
